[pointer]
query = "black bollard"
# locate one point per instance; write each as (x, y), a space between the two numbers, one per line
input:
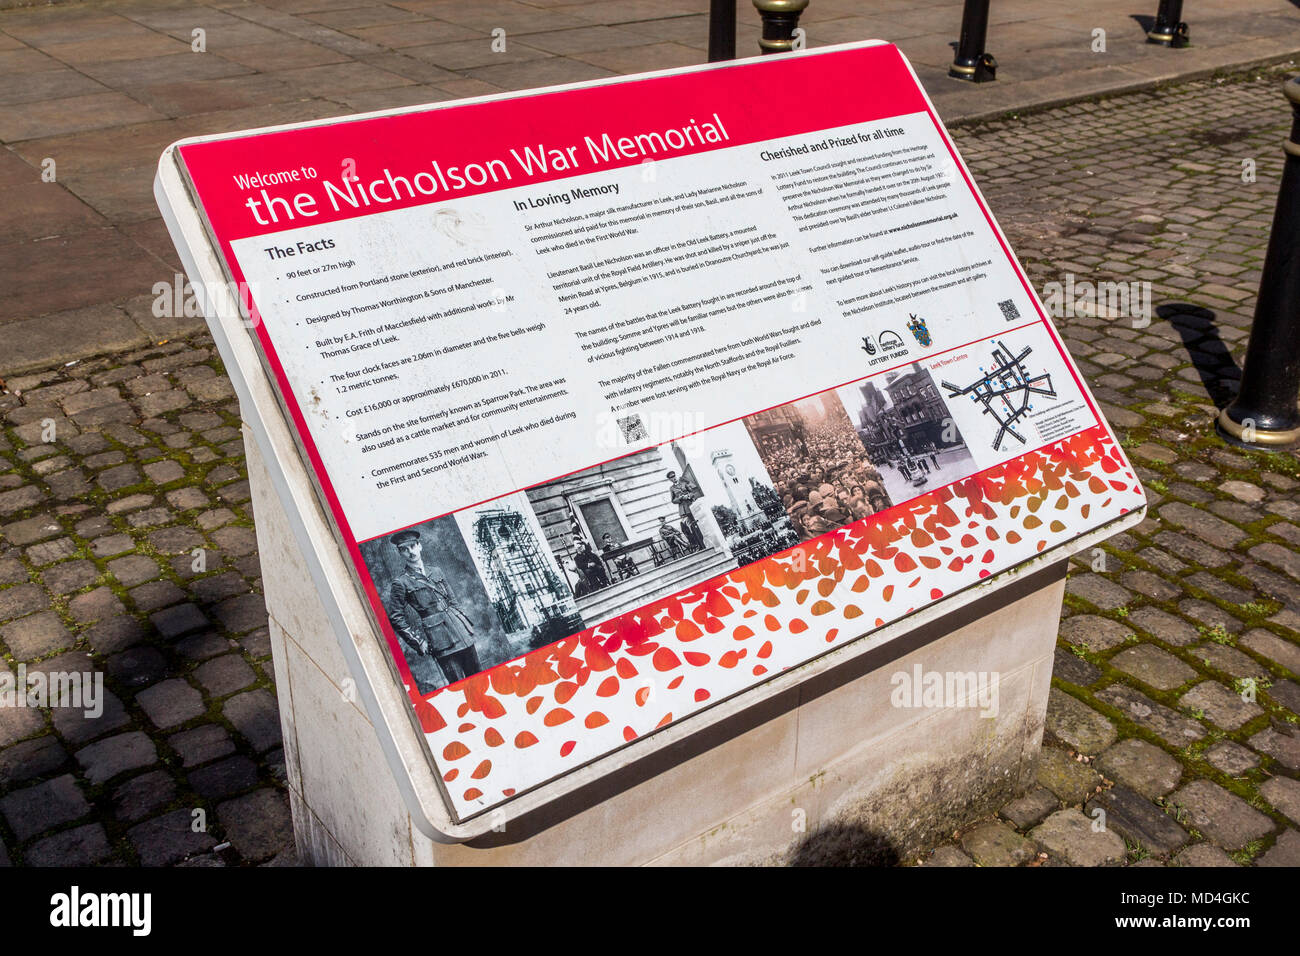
(972, 63)
(1169, 29)
(780, 19)
(722, 30)
(1264, 411)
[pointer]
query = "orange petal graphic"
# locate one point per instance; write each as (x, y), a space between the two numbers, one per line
(454, 750)
(608, 687)
(666, 660)
(556, 717)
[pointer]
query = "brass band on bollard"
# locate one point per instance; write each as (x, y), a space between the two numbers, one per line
(780, 20)
(1258, 436)
(971, 64)
(1172, 36)
(1169, 29)
(1265, 412)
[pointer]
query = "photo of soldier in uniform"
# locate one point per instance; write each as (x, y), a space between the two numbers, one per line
(672, 538)
(437, 606)
(621, 566)
(591, 573)
(906, 428)
(685, 492)
(819, 468)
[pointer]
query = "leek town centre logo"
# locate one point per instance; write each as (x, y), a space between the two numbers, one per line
(919, 331)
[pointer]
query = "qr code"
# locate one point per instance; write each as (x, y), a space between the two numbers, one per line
(1009, 310)
(632, 428)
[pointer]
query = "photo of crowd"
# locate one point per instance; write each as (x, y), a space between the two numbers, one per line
(818, 464)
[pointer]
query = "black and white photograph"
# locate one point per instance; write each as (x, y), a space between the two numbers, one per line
(818, 465)
(446, 624)
(630, 531)
(739, 493)
(533, 601)
(906, 428)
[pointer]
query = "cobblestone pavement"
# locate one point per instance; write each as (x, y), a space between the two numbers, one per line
(128, 549)
(93, 92)
(126, 544)
(1175, 697)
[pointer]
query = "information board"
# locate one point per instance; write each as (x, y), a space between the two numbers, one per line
(626, 397)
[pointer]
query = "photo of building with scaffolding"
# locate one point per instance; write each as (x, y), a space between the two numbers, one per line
(528, 592)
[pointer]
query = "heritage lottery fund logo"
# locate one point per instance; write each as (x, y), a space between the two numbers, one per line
(75, 909)
(887, 346)
(951, 689)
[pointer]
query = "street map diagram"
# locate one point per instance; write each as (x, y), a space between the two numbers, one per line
(1005, 390)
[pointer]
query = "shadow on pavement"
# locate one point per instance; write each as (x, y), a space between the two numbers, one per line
(1210, 355)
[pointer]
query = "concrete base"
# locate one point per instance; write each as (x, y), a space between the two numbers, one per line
(827, 772)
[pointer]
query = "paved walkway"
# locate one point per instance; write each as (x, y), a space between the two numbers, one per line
(92, 93)
(1175, 697)
(126, 543)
